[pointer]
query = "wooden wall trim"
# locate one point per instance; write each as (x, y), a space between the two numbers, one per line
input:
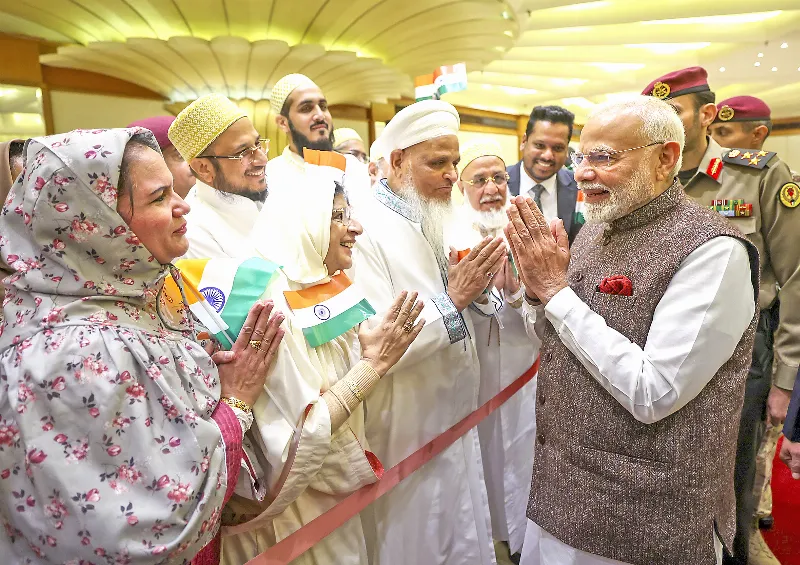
(349, 112)
(74, 80)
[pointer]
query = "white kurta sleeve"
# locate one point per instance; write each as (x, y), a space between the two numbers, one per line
(694, 332)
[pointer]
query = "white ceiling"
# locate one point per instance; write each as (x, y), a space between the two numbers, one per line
(520, 52)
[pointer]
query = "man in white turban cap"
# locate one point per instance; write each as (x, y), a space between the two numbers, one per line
(348, 142)
(301, 111)
(438, 515)
(505, 352)
(378, 165)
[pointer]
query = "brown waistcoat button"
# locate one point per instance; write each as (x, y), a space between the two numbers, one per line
(541, 398)
(548, 356)
(540, 439)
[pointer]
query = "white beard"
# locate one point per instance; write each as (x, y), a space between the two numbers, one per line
(487, 223)
(621, 201)
(436, 218)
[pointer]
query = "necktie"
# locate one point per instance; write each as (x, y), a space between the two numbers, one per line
(537, 195)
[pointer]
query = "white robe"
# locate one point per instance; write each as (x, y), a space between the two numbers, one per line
(219, 223)
(439, 515)
(507, 435)
(286, 173)
(309, 476)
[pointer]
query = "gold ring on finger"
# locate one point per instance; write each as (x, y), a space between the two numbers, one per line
(256, 344)
(489, 275)
(407, 327)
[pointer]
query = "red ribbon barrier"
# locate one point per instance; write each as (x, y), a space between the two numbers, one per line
(303, 539)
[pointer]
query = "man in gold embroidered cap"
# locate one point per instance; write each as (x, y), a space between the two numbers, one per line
(754, 189)
(439, 514)
(229, 159)
(301, 111)
(505, 352)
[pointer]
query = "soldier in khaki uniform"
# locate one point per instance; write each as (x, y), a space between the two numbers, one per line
(755, 189)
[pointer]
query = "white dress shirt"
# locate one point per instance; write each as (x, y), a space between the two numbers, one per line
(696, 327)
(549, 196)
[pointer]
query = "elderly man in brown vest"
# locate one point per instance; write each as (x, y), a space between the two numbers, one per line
(647, 332)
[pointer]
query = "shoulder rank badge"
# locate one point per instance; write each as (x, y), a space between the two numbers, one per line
(748, 157)
(714, 168)
(790, 195)
(732, 208)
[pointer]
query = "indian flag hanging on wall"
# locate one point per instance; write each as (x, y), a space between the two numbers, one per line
(448, 78)
(580, 208)
(220, 292)
(326, 311)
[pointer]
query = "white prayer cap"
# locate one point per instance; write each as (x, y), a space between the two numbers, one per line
(342, 135)
(480, 147)
(419, 122)
(284, 87)
(376, 151)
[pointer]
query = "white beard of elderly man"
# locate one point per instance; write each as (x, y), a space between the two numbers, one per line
(648, 336)
(439, 514)
(507, 435)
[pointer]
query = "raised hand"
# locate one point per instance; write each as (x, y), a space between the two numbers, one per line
(466, 279)
(384, 345)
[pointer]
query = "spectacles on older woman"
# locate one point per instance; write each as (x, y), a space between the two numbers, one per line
(342, 216)
(605, 157)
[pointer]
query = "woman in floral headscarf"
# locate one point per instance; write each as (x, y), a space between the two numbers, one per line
(113, 445)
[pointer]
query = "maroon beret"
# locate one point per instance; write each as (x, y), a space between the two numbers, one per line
(159, 125)
(678, 83)
(742, 109)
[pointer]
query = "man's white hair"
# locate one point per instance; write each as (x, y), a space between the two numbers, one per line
(660, 121)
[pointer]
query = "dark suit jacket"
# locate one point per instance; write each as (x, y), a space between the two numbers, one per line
(791, 428)
(566, 194)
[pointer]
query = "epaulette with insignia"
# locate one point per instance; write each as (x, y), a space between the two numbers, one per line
(748, 157)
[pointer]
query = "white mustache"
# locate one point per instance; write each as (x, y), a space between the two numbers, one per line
(491, 198)
(583, 185)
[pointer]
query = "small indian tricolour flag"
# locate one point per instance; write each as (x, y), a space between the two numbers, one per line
(425, 88)
(220, 292)
(452, 78)
(580, 208)
(326, 311)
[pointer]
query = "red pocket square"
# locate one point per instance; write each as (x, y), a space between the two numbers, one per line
(616, 284)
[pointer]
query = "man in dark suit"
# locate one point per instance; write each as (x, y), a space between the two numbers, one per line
(790, 450)
(541, 173)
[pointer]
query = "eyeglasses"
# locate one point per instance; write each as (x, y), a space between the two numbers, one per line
(604, 158)
(359, 155)
(499, 180)
(262, 144)
(342, 216)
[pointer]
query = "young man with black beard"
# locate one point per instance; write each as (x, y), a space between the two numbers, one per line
(301, 111)
(228, 157)
(541, 173)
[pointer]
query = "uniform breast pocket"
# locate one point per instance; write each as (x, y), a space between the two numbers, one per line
(616, 309)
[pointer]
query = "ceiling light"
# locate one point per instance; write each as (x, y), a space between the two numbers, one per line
(498, 48)
(732, 19)
(774, 69)
(580, 102)
(668, 48)
(487, 86)
(760, 54)
(722, 69)
(583, 6)
(506, 16)
(618, 67)
(784, 45)
(509, 33)
(757, 64)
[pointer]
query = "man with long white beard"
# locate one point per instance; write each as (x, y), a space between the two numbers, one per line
(302, 113)
(505, 352)
(439, 514)
(644, 359)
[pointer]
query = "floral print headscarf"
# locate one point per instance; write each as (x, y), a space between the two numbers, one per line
(107, 450)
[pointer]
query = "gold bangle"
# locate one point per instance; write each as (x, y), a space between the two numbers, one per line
(357, 391)
(234, 402)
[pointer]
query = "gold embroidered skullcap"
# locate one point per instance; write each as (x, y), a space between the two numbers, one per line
(480, 147)
(284, 87)
(201, 122)
(343, 135)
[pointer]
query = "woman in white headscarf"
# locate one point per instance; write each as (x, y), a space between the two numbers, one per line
(114, 445)
(311, 424)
